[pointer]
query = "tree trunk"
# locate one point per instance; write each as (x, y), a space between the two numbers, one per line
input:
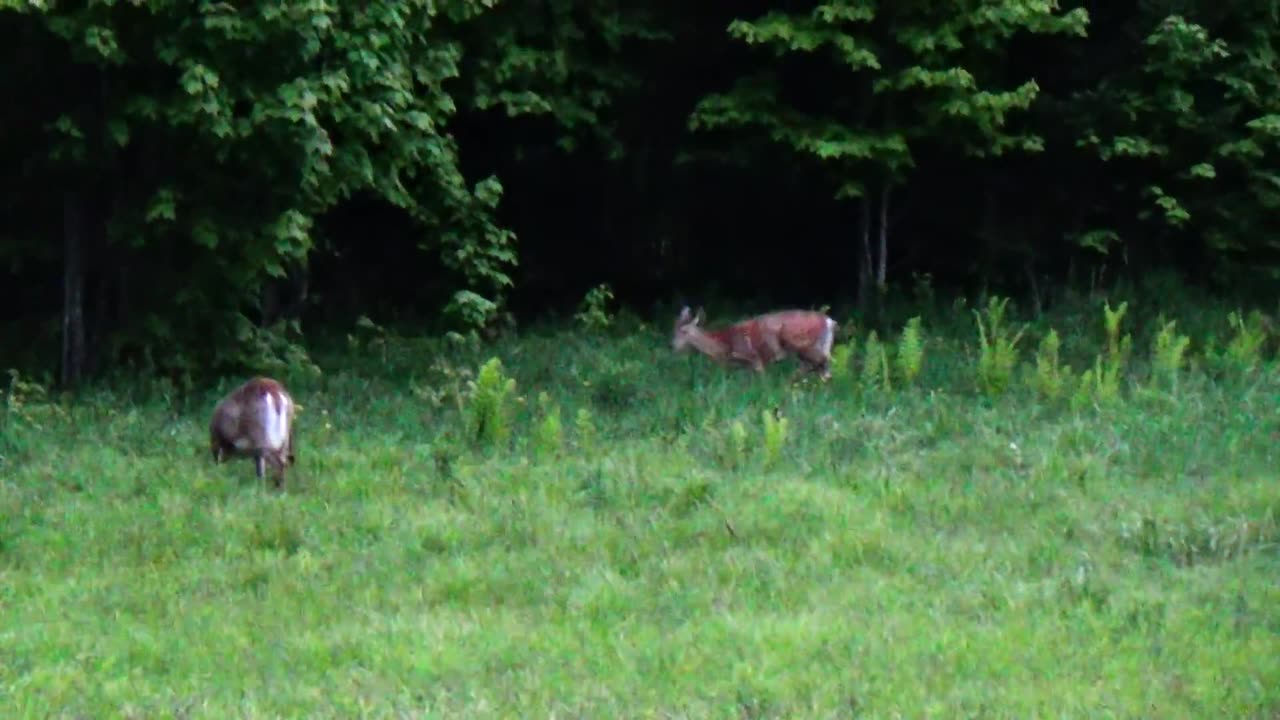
(865, 266)
(283, 298)
(1037, 303)
(73, 339)
(882, 262)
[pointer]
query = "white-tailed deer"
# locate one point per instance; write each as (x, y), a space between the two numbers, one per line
(255, 420)
(761, 340)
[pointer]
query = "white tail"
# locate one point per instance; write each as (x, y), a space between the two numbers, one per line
(255, 420)
(761, 340)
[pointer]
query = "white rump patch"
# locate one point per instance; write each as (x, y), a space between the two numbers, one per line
(275, 420)
(828, 337)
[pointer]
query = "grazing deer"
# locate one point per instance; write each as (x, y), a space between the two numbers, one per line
(255, 420)
(761, 340)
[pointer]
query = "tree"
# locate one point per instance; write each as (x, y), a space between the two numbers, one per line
(202, 144)
(917, 73)
(1186, 138)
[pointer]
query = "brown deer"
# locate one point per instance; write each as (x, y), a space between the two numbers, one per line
(761, 340)
(256, 420)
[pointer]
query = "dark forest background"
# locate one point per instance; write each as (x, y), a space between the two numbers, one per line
(188, 187)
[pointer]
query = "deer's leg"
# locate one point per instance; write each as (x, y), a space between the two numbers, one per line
(817, 363)
(822, 367)
(259, 465)
(221, 449)
(741, 351)
(775, 346)
(276, 461)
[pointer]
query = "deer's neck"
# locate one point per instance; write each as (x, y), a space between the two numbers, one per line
(714, 343)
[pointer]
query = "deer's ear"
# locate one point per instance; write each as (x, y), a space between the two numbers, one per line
(697, 320)
(684, 315)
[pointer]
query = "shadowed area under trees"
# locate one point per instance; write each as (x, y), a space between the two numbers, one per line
(191, 188)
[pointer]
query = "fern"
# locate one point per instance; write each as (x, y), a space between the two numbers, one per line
(1099, 385)
(1112, 318)
(1108, 371)
(593, 311)
(910, 355)
(840, 358)
(1168, 353)
(998, 352)
(1086, 389)
(875, 363)
(488, 409)
(1050, 378)
(1107, 390)
(1245, 349)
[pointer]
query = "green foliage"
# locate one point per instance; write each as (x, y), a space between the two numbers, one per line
(1117, 349)
(450, 389)
(488, 404)
(875, 364)
(1099, 385)
(1168, 353)
(562, 60)
(29, 402)
(278, 117)
(997, 351)
(548, 436)
(585, 429)
(28, 409)
(1193, 122)
(398, 549)
(369, 337)
(841, 356)
(1243, 351)
(913, 73)
(470, 310)
(593, 312)
(775, 436)
(737, 444)
(220, 153)
(910, 351)
(1051, 378)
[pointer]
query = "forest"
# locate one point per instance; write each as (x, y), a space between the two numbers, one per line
(195, 189)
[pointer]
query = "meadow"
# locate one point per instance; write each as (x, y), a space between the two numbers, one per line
(573, 521)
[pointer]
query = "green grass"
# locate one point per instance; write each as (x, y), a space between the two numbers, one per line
(925, 552)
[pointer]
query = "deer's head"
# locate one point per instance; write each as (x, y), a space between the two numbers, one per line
(687, 327)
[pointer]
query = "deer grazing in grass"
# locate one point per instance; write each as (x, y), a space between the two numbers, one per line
(255, 420)
(761, 340)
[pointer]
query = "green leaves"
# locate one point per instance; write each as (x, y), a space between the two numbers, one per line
(163, 207)
(224, 133)
(1200, 113)
(913, 74)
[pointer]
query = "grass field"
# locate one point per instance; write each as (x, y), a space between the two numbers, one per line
(926, 549)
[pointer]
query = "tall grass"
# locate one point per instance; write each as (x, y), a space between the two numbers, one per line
(592, 526)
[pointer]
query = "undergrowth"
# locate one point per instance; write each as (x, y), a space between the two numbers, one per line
(583, 524)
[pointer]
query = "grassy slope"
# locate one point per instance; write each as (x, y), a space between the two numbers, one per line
(921, 552)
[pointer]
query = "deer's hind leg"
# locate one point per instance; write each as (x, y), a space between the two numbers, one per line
(819, 366)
